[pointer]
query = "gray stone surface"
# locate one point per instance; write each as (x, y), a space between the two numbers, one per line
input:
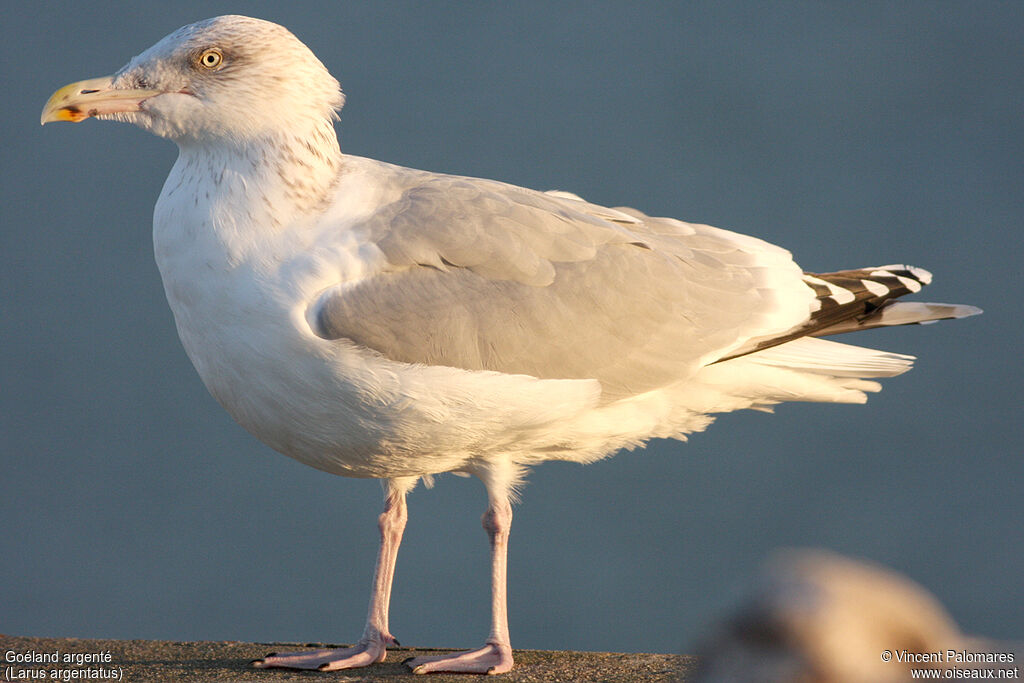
(159, 660)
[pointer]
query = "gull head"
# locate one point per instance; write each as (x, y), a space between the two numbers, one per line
(230, 79)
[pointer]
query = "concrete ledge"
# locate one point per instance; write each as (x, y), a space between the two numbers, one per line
(160, 660)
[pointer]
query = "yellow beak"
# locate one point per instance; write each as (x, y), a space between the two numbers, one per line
(78, 101)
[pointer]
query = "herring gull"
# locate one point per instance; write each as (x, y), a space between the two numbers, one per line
(376, 321)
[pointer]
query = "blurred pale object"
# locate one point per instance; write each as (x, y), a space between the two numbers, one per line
(817, 617)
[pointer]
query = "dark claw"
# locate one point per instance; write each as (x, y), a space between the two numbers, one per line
(491, 670)
(407, 660)
(323, 667)
(395, 640)
(269, 654)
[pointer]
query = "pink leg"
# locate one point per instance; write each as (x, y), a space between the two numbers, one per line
(371, 648)
(495, 657)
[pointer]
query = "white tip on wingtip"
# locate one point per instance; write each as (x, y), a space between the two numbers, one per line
(920, 273)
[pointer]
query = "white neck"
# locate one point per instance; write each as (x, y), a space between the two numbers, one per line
(287, 176)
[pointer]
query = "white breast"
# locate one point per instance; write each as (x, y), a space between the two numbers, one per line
(239, 284)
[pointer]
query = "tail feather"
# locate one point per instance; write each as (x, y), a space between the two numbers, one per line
(823, 357)
(902, 313)
(861, 299)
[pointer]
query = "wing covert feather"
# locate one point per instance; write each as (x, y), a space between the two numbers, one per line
(487, 276)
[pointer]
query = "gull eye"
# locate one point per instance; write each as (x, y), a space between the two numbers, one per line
(210, 59)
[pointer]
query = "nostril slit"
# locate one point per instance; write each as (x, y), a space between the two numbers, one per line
(87, 92)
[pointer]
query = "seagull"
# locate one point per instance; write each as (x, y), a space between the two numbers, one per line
(814, 615)
(383, 322)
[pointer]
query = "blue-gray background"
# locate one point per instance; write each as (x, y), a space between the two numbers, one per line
(854, 134)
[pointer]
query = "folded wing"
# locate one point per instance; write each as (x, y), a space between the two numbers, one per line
(486, 276)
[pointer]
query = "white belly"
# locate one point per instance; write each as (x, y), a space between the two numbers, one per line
(346, 410)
